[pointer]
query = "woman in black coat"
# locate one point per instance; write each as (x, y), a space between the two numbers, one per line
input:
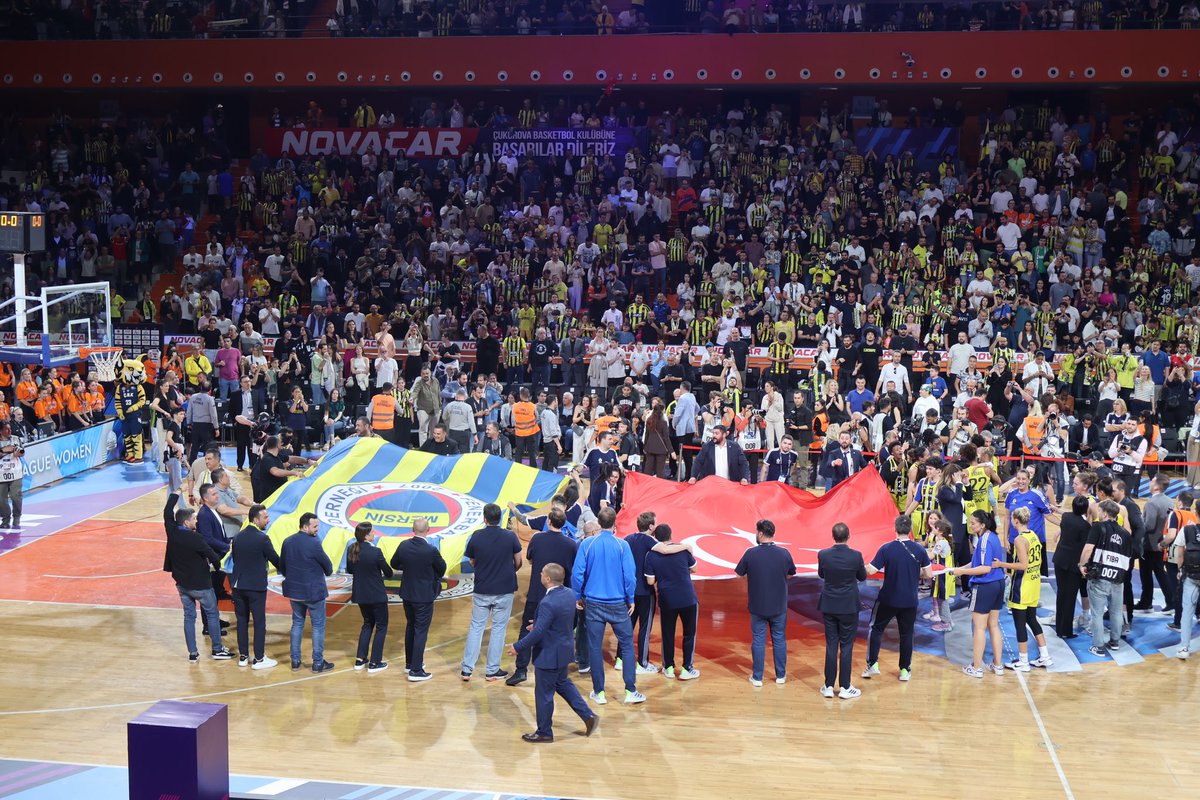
(1072, 536)
(365, 562)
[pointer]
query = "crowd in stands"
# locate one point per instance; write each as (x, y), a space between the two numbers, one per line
(1049, 278)
(104, 19)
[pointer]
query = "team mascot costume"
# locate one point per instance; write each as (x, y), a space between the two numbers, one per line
(129, 400)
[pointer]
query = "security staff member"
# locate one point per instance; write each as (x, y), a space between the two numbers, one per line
(382, 414)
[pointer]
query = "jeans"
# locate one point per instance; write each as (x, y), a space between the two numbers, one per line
(228, 386)
(375, 620)
(840, 630)
(499, 607)
(318, 393)
(1191, 594)
(1106, 596)
(316, 610)
(758, 643)
(247, 604)
(616, 615)
(540, 377)
(174, 477)
(207, 599)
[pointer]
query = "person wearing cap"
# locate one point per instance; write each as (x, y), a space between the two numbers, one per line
(722, 458)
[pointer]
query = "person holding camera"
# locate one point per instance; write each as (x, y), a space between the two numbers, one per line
(1105, 562)
(1127, 450)
(12, 478)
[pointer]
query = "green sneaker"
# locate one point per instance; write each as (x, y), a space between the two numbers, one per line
(598, 698)
(617, 666)
(669, 673)
(871, 670)
(905, 675)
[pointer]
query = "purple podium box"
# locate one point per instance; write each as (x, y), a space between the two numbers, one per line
(180, 751)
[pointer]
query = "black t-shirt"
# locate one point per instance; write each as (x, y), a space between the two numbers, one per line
(1113, 551)
(448, 447)
(212, 339)
(540, 352)
(868, 356)
(548, 547)
(170, 427)
(261, 479)
(767, 567)
(738, 351)
(491, 550)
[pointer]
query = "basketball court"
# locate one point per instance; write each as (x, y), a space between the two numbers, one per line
(91, 629)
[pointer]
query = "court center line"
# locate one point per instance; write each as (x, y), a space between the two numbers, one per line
(1037, 717)
(243, 689)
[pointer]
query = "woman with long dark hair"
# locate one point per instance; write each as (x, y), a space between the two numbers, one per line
(366, 564)
(657, 450)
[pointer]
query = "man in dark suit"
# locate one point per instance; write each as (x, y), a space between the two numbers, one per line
(187, 559)
(422, 566)
(212, 530)
(1084, 437)
(721, 457)
(554, 641)
(841, 568)
(550, 546)
(244, 409)
(252, 551)
(842, 461)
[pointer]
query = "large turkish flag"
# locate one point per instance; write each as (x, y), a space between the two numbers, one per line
(717, 517)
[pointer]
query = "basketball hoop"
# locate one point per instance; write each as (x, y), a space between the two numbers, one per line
(104, 359)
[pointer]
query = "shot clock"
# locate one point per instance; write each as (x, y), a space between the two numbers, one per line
(22, 232)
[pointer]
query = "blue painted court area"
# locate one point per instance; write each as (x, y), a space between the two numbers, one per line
(1149, 637)
(40, 780)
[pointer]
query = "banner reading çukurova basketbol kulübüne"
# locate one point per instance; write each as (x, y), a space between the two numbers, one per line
(49, 460)
(369, 480)
(538, 143)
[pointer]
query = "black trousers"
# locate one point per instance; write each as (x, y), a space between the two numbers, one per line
(643, 623)
(218, 584)
(1070, 582)
(418, 617)
(840, 630)
(241, 438)
(881, 616)
(1151, 568)
(549, 456)
(249, 603)
(202, 437)
(689, 616)
(526, 446)
(374, 631)
(527, 618)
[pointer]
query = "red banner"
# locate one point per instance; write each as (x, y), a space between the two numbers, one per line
(413, 142)
(717, 517)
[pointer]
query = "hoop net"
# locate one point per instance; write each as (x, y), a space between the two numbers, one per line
(104, 360)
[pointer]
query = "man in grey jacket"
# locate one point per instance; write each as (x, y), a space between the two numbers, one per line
(427, 399)
(1151, 566)
(201, 419)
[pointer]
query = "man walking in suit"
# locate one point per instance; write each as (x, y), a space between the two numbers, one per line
(841, 568)
(842, 461)
(252, 551)
(550, 546)
(422, 568)
(553, 648)
(212, 530)
(244, 410)
(305, 566)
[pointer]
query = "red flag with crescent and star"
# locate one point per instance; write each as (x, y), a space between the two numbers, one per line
(717, 517)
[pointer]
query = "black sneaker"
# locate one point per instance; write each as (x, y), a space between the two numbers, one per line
(17, 523)
(296, 666)
(194, 658)
(1172, 626)
(3, 523)
(1113, 645)
(243, 660)
(466, 676)
(324, 666)
(360, 664)
(223, 654)
(497, 675)
(376, 667)
(225, 624)
(417, 675)
(1098, 651)
(516, 678)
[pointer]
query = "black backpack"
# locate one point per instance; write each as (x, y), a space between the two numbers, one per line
(1191, 552)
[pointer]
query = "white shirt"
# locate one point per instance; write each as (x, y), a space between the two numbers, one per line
(960, 357)
(1037, 387)
(721, 460)
(898, 375)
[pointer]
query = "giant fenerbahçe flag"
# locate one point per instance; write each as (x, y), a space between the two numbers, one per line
(369, 480)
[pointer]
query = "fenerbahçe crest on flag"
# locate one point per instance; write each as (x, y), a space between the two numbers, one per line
(369, 480)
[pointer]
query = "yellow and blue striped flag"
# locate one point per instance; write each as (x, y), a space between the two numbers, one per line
(370, 480)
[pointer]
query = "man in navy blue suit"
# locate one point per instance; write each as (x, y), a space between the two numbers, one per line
(553, 643)
(842, 461)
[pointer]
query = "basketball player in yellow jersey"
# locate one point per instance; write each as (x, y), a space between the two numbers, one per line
(1025, 591)
(981, 477)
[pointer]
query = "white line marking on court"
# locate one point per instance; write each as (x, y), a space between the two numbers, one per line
(133, 703)
(140, 539)
(279, 787)
(101, 577)
(1037, 717)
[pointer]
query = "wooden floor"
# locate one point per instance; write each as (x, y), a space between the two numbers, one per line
(71, 676)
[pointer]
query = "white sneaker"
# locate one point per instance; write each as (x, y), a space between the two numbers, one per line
(264, 663)
(871, 670)
(598, 698)
(1042, 662)
(1018, 665)
(782, 679)
(1182, 653)
(647, 669)
(1082, 620)
(827, 691)
(972, 671)
(996, 668)
(689, 674)
(755, 682)
(633, 698)
(850, 692)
